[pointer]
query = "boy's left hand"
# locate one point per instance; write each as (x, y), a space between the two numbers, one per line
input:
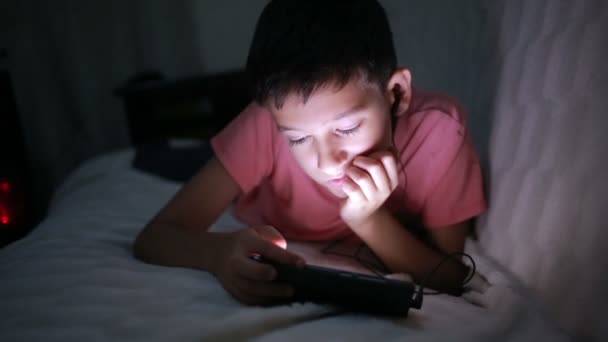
(370, 181)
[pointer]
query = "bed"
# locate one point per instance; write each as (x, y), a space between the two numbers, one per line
(74, 278)
(539, 98)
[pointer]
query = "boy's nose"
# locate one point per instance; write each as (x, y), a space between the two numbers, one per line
(331, 160)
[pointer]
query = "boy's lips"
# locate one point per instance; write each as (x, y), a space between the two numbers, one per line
(337, 181)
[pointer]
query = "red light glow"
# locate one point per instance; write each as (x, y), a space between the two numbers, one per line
(5, 218)
(5, 186)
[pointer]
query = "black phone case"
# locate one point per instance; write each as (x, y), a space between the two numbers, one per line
(353, 291)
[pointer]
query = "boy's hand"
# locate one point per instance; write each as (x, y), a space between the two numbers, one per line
(249, 281)
(371, 180)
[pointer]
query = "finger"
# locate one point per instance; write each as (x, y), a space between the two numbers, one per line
(353, 191)
(245, 297)
(389, 162)
(475, 298)
(271, 234)
(478, 283)
(377, 172)
(250, 269)
(363, 180)
(273, 252)
(256, 292)
(230, 285)
(236, 292)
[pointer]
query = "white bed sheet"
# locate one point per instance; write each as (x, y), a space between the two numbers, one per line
(74, 278)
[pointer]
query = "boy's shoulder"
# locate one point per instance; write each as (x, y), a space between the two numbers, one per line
(433, 124)
(426, 105)
(254, 118)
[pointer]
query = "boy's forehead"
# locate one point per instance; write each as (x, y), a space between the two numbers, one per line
(324, 105)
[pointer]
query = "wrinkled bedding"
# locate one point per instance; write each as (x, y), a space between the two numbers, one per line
(74, 278)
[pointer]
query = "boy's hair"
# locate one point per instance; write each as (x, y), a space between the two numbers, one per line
(301, 45)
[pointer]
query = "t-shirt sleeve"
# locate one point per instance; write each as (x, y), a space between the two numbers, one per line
(456, 194)
(246, 147)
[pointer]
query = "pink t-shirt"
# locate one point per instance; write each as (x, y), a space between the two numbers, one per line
(440, 183)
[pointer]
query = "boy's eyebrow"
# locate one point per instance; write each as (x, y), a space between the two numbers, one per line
(354, 110)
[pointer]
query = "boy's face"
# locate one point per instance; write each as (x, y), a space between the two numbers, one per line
(333, 127)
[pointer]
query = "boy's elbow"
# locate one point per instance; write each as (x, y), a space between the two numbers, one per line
(139, 247)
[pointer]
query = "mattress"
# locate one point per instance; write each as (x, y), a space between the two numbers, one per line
(74, 278)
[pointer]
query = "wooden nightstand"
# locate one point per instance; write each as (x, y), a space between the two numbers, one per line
(196, 107)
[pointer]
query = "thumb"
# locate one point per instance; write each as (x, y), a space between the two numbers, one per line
(273, 246)
(271, 234)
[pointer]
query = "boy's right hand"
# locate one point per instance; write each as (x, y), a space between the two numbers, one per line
(249, 281)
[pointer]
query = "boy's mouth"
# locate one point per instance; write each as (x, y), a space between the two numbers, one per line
(337, 182)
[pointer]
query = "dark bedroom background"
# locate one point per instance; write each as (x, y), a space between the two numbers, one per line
(64, 59)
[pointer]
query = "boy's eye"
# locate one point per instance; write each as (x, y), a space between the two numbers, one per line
(349, 131)
(294, 142)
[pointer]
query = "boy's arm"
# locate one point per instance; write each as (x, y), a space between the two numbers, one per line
(177, 235)
(371, 180)
(451, 238)
(402, 252)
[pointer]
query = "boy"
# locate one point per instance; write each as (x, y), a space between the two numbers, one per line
(336, 143)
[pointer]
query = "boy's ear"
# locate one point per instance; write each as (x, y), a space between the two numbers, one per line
(399, 89)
